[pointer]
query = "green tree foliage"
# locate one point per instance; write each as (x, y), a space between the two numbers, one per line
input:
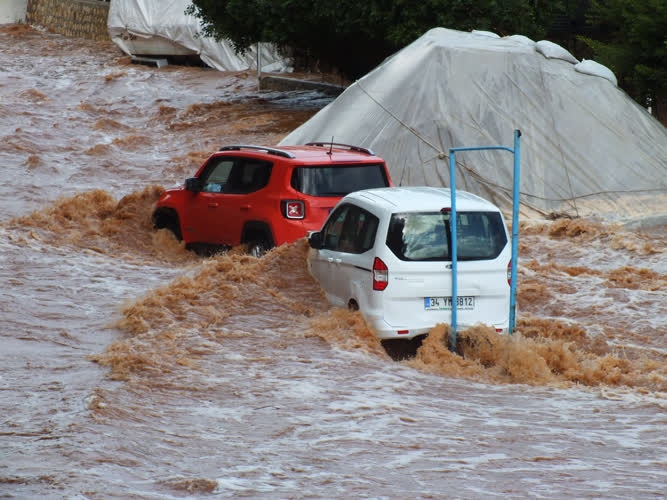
(356, 35)
(631, 39)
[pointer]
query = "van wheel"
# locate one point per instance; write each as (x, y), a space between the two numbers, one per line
(401, 349)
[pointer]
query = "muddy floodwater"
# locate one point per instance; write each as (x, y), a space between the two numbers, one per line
(131, 368)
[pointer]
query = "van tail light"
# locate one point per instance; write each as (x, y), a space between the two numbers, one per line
(293, 209)
(380, 275)
(509, 273)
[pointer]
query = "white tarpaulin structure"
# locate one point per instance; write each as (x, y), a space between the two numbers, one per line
(586, 147)
(161, 28)
(13, 11)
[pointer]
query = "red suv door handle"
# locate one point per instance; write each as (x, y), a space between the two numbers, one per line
(246, 207)
(213, 204)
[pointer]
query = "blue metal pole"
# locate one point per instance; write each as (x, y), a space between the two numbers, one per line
(452, 225)
(515, 229)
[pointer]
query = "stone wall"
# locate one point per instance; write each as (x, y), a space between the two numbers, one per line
(73, 18)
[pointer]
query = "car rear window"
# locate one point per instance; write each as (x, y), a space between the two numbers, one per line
(338, 180)
(427, 236)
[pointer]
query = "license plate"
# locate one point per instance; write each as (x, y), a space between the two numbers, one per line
(463, 302)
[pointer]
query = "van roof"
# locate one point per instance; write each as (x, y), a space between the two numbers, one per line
(421, 198)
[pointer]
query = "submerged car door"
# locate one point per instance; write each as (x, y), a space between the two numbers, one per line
(322, 264)
(343, 266)
(204, 220)
(243, 198)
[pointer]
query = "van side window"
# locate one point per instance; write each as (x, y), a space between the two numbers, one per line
(350, 230)
(367, 231)
(332, 229)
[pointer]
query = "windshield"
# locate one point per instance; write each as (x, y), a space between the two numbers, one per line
(338, 180)
(427, 236)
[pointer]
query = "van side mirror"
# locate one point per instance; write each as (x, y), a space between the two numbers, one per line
(315, 240)
(193, 184)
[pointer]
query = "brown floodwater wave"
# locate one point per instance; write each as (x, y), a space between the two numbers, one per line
(172, 326)
(195, 314)
(623, 277)
(188, 318)
(612, 235)
(95, 221)
(540, 352)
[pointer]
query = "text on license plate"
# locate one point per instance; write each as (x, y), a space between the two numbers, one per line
(466, 303)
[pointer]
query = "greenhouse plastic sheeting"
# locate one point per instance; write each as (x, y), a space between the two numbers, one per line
(166, 20)
(587, 148)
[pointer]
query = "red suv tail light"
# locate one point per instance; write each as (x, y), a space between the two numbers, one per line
(293, 209)
(380, 275)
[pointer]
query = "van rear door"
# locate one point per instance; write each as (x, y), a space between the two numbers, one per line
(420, 269)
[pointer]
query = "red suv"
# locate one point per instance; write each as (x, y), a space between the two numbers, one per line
(265, 196)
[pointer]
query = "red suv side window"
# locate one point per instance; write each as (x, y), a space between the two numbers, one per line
(248, 176)
(235, 175)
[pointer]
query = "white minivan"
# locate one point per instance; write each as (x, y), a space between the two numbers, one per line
(387, 253)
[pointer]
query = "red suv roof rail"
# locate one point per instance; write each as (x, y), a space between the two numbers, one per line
(358, 149)
(273, 151)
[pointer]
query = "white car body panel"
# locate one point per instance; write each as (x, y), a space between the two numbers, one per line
(398, 311)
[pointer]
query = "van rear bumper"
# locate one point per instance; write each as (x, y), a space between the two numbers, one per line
(385, 331)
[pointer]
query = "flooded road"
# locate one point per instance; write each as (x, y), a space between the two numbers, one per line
(131, 368)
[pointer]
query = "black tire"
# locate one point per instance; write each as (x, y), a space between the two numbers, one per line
(167, 219)
(257, 237)
(401, 349)
(257, 248)
(206, 250)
